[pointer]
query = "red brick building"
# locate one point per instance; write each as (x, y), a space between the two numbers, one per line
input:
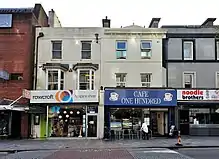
(17, 40)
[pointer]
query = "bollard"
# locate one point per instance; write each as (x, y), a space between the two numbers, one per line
(179, 140)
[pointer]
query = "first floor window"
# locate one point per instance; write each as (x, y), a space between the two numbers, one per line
(120, 79)
(86, 79)
(146, 79)
(55, 80)
(189, 80)
(188, 48)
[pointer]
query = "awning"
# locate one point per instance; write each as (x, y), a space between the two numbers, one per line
(13, 108)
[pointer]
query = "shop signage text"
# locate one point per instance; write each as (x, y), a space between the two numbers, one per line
(197, 95)
(63, 96)
(140, 97)
(193, 94)
(131, 97)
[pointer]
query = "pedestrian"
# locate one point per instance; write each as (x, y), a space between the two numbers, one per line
(144, 129)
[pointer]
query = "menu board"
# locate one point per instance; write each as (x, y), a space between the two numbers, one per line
(126, 124)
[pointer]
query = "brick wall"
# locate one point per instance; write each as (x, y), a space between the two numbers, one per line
(15, 56)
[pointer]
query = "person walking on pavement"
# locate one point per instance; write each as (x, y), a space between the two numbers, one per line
(144, 129)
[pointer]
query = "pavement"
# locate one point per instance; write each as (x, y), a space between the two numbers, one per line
(58, 144)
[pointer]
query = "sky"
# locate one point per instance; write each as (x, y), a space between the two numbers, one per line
(89, 13)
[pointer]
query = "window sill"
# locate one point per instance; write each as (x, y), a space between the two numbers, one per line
(85, 59)
(56, 59)
(145, 57)
(188, 59)
(121, 58)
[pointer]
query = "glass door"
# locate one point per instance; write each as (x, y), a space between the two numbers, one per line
(92, 126)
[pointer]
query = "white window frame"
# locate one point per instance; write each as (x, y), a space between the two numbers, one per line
(146, 50)
(56, 41)
(121, 50)
(216, 79)
(90, 42)
(59, 78)
(147, 84)
(193, 78)
(120, 83)
(217, 49)
(90, 77)
(192, 54)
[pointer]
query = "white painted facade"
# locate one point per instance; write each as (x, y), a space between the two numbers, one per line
(104, 54)
(71, 54)
(133, 65)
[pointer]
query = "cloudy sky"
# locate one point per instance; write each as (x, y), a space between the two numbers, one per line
(125, 12)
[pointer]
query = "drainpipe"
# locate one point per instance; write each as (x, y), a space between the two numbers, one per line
(36, 54)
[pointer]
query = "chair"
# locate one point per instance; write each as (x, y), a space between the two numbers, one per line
(134, 134)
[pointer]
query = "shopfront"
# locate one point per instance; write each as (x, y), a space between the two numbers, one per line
(68, 113)
(127, 109)
(198, 111)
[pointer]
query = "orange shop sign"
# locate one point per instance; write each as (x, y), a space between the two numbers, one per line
(197, 94)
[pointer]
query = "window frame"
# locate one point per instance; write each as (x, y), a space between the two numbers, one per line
(19, 76)
(90, 51)
(59, 78)
(147, 84)
(147, 51)
(193, 49)
(53, 42)
(91, 81)
(217, 48)
(193, 78)
(217, 79)
(121, 83)
(121, 51)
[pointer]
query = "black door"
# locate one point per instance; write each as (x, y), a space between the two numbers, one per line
(16, 124)
(92, 126)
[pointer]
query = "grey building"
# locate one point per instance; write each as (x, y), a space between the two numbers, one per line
(191, 58)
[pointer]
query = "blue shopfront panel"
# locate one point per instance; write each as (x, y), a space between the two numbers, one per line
(140, 98)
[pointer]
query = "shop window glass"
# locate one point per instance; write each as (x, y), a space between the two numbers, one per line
(199, 116)
(67, 121)
(4, 121)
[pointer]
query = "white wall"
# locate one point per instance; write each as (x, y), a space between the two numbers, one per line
(133, 65)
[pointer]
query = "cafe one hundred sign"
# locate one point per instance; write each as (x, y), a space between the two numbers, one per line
(141, 97)
(197, 95)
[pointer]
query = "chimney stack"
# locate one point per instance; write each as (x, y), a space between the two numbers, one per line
(209, 22)
(106, 22)
(154, 23)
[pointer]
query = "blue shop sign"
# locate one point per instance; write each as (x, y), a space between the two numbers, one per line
(143, 97)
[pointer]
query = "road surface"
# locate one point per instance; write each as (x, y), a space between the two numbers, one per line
(117, 154)
(201, 153)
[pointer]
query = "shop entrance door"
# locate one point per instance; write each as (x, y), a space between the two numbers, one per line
(92, 126)
(158, 123)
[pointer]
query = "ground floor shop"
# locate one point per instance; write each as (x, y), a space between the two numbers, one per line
(13, 124)
(198, 112)
(75, 119)
(127, 109)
